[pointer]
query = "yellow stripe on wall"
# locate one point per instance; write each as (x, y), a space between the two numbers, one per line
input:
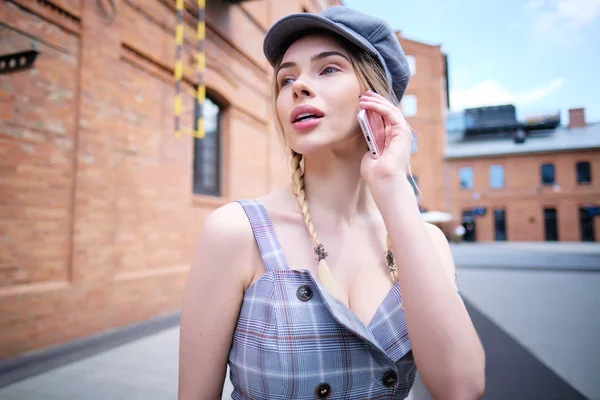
(201, 30)
(181, 30)
(201, 94)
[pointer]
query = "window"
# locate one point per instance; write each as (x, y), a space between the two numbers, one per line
(496, 176)
(207, 151)
(412, 64)
(584, 174)
(550, 225)
(586, 224)
(469, 223)
(547, 173)
(466, 178)
(409, 105)
(500, 224)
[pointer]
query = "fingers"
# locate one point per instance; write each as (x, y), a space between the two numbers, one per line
(377, 103)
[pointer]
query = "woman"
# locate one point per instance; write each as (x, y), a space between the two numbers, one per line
(339, 327)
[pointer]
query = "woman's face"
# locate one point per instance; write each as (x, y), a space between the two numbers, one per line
(318, 95)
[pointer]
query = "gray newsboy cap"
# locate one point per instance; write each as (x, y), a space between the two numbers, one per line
(369, 33)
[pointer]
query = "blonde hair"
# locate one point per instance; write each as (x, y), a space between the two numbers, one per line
(371, 76)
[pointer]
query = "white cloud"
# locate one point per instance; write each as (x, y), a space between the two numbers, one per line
(562, 21)
(491, 93)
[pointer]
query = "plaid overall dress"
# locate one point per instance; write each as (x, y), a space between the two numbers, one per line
(294, 341)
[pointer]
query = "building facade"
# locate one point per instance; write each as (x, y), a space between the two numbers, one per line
(546, 188)
(424, 107)
(100, 205)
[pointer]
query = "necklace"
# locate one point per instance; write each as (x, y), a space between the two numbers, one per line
(389, 259)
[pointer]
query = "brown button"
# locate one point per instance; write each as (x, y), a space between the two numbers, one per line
(389, 378)
(323, 391)
(304, 293)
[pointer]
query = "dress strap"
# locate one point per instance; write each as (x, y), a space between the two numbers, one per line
(264, 233)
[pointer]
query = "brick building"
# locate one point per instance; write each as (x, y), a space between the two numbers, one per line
(424, 107)
(100, 205)
(544, 187)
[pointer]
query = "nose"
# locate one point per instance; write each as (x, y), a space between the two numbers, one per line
(301, 89)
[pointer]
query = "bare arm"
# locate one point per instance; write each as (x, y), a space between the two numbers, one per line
(211, 302)
(446, 347)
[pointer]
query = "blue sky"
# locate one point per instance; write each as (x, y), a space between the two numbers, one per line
(541, 55)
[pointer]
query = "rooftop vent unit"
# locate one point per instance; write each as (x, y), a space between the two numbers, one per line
(541, 122)
(494, 119)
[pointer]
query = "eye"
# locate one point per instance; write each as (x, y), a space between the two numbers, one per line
(285, 82)
(329, 70)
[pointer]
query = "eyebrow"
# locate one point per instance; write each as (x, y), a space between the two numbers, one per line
(314, 58)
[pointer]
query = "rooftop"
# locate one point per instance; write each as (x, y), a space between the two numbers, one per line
(556, 140)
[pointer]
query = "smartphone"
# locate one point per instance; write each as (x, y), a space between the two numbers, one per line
(372, 127)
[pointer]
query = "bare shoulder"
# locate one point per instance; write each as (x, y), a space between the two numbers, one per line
(228, 225)
(227, 240)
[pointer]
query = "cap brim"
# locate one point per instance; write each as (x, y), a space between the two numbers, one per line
(290, 28)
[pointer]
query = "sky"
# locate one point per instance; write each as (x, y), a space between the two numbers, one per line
(540, 55)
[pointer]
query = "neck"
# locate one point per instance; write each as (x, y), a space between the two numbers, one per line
(335, 189)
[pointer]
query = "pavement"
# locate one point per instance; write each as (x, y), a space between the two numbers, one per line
(551, 315)
(535, 307)
(537, 256)
(573, 248)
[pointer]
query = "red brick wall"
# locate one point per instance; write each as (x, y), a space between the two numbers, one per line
(524, 198)
(428, 85)
(97, 216)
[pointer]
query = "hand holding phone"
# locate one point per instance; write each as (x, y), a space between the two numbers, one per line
(372, 127)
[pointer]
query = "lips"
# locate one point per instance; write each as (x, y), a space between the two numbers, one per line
(304, 113)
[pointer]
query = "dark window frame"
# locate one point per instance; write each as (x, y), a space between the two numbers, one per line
(586, 230)
(578, 173)
(469, 218)
(543, 174)
(200, 186)
(497, 236)
(551, 235)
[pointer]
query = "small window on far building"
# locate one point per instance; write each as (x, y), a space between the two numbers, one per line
(500, 225)
(586, 224)
(584, 173)
(496, 176)
(409, 105)
(207, 151)
(412, 64)
(550, 224)
(547, 174)
(466, 178)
